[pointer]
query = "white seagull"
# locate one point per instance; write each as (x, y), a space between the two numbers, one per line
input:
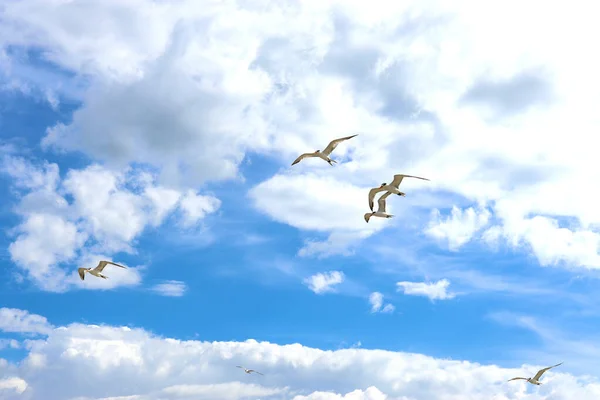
(381, 210)
(248, 371)
(96, 271)
(325, 153)
(392, 187)
(535, 379)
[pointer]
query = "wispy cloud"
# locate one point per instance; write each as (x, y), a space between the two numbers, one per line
(555, 344)
(376, 301)
(434, 291)
(324, 282)
(170, 288)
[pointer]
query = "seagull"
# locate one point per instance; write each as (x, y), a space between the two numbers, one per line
(534, 380)
(248, 371)
(96, 271)
(381, 210)
(325, 153)
(392, 187)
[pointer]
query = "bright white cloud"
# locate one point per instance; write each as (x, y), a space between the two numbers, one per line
(194, 87)
(106, 212)
(21, 321)
(105, 362)
(170, 288)
(434, 290)
(376, 301)
(324, 281)
(9, 386)
(458, 228)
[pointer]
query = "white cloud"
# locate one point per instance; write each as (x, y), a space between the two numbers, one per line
(106, 212)
(12, 384)
(170, 288)
(376, 301)
(434, 291)
(458, 228)
(9, 343)
(193, 88)
(21, 321)
(324, 281)
(105, 362)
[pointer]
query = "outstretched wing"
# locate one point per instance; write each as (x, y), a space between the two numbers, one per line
(541, 371)
(333, 144)
(81, 272)
(239, 366)
(398, 179)
(256, 372)
(513, 379)
(303, 156)
(372, 194)
(103, 264)
(381, 202)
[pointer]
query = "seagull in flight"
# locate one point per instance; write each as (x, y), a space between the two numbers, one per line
(248, 371)
(535, 379)
(96, 271)
(392, 187)
(325, 153)
(381, 210)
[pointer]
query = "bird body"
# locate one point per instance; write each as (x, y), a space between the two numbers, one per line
(380, 210)
(324, 155)
(536, 379)
(393, 187)
(248, 371)
(97, 271)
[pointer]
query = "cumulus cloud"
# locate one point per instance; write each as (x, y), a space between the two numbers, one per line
(170, 288)
(376, 301)
(458, 228)
(434, 290)
(103, 362)
(21, 321)
(324, 281)
(88, 215)
(194, 88)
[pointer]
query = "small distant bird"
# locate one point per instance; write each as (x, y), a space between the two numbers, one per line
(535, 379)
(96, 271)
(381, 210)
(248, 371)
(325, 153)
(392, 187)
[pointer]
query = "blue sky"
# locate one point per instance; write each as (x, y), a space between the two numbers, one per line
(165, 144)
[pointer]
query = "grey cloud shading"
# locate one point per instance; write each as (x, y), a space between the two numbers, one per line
(512, 96)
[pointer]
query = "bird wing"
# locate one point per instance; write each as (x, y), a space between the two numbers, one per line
(372, 194)
(398, 179)
(516, 379)
(81, 272)
(541, 371)
(256, 372)
(103, 264)
(301, 157)
(333, 144)
(381, 202)
(239, 366)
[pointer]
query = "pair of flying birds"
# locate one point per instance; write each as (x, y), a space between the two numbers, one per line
(392, 188)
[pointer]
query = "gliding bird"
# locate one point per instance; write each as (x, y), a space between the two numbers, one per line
(381, 210)
(535, 379)
(248, 371)
(392, 187)
(325, 153)
(96, 271)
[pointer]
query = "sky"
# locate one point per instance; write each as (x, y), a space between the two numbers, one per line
(160, 135)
